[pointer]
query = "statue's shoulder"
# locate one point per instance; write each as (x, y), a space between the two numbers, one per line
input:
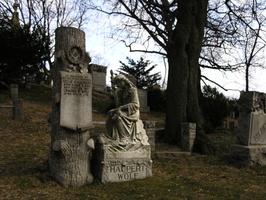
(132, 89)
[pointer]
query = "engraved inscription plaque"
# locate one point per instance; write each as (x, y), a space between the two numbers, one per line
(127, 169)
(76, 105)
(258, 129)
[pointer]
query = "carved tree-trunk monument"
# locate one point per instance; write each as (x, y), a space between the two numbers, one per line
(71, 117)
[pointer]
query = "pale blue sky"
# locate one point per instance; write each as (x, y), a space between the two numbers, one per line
(109, 52)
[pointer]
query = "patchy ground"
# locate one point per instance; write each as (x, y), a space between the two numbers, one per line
(24, 175)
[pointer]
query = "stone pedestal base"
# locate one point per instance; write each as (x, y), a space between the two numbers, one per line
(243, 156)
(145, 109)
(118, 163)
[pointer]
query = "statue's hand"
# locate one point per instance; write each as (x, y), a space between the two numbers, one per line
(118, 111)
(111, 111)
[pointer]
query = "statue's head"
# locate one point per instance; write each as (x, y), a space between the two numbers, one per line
(121, 80)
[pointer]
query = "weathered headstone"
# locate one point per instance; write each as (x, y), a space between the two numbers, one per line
(98, 76)
(188, 135)
(123, 152)
(143, 100)
(150, 127)
(251, 139)
(71, 117)
(18, 109)
(28, 80)
(13, 91)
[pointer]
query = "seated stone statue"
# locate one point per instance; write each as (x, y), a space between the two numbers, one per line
(123, 125)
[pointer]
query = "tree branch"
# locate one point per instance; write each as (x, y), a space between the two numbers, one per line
(213, 82)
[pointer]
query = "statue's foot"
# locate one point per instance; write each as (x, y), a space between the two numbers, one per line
(123, 142)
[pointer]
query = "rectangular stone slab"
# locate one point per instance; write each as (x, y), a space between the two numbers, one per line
(76, 103)
(110, 165)
(119, 170)
(243, 156)
(258, 129)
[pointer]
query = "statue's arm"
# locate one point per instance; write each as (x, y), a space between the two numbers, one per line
(133, 103)
(116, 98)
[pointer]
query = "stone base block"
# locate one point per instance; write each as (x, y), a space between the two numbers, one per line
(118, 164)
(243, 156)
(145, 109)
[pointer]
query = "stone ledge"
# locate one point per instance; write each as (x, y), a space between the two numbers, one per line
(243, 156)
(171, 154)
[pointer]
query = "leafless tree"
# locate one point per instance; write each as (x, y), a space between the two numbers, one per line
(175, 30)
(45, 16)
(190, 34)
(234, 36)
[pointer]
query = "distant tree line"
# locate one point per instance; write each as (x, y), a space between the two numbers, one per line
(142, 71)
(21, 53)
(29, 49)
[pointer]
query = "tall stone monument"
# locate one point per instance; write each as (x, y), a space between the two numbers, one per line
(251, 139)
(123, 153)
(71, 117)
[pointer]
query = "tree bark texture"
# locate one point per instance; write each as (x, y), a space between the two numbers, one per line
(183, 80)
(69, 157)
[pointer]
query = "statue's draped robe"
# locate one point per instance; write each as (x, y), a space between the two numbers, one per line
(123, 126)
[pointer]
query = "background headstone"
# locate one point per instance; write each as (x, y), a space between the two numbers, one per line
(251, 139)
(98, 73)
(143, 100)
(150, 127)
(18, 110)
(252, 119)
(13, 91)
(188, 135)
(28, 81)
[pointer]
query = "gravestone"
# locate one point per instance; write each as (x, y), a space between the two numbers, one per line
(188, 135)
(123, 153)
(251, 139)
(18, 109)
(150, 127)
(71, 117)
(143, 101)
(98, 76)
(28, 80)
(13, 91)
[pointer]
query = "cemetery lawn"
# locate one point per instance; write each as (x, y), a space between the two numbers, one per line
(24, 175)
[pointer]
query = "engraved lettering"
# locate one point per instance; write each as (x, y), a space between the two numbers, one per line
(127, 176)
(112, 168)
(76, 85)
(260, 133)
(126, 172)
(120, 176)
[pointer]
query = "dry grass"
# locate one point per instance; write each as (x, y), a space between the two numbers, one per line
(23, 173)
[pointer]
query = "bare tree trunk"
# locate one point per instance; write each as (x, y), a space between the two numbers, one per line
(69, 158)
(247, 77)
(183, 80)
